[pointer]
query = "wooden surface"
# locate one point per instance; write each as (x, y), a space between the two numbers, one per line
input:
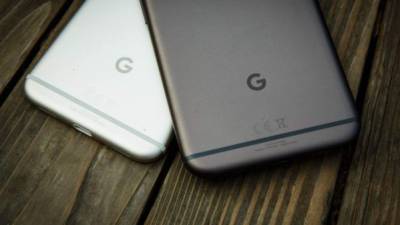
(372, 194)
(50, 174)
(22, 23)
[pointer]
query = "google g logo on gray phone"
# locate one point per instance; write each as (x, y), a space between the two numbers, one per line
(124, 65)
(256, 82)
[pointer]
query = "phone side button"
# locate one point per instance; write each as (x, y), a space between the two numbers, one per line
(82, 130)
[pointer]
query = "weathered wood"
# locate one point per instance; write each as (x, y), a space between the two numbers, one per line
(21, 25)
(51, 174)
(350, 24)
(372, 194)
(295, 193)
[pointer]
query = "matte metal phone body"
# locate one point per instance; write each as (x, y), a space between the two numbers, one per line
(101, 76)
(250, 81)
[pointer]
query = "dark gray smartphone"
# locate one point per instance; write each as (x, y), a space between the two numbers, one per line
(250, 81)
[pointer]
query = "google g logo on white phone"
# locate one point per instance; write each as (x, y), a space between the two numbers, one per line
(124, 65)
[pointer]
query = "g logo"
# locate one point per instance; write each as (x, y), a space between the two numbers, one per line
(256, 82)
(124, 65)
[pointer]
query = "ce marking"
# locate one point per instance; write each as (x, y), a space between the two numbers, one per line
(271, 126)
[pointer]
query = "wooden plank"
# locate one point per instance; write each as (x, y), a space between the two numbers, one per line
(22, 23)
(372, 194)
(51, 174)
(295, 193)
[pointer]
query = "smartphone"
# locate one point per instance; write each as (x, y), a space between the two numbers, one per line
(250, 81)
(101, 76)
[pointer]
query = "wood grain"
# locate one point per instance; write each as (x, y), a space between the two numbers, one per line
(22, 23)
(372, 194)
(351, 24)
(296, 193)
(51, 174)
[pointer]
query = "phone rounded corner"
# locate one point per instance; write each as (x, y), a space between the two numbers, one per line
(29, 90)
(145, 155)
(198, 168)
(34, 93)
(155, 154)
(353, 130)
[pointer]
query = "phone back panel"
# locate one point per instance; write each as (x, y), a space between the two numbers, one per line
(101, 74)
(250, 81)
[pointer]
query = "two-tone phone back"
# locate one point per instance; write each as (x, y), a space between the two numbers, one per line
(250, 81)
(101, 75)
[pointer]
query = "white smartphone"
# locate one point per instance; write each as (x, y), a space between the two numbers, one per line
(101, 76)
